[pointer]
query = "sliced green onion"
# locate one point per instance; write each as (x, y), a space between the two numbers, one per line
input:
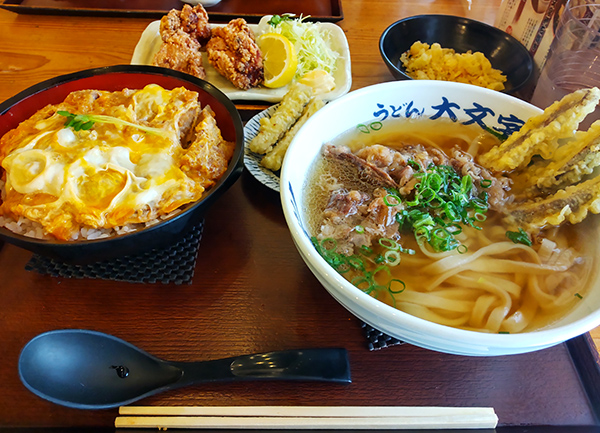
(367, 251)
(466, 184)
(442, 204)
(427, 195)
(479, 204)
(392, 257)
(329, 241)
(520, 237)
(343, 267)
(413, 164)
(422, 232)
(440, 233)
(362, 281)
(395, 282)
(356, 263)
(390, 244)
(435, 181)
(381, 269)
(454, 229)
(451, 211)
(480, 216)
(391, 200)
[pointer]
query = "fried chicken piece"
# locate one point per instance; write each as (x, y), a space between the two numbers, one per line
(193, 21)
(233, 52)
(183, 33)
(181, 52)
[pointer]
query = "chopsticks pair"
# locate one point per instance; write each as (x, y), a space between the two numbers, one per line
(306, 417)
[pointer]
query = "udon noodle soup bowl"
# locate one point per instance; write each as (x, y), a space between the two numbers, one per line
(116, 78)
(373, 108)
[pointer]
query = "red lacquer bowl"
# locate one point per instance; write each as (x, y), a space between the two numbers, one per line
(116, 78)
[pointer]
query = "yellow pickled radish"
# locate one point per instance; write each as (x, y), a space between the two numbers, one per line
(279, 59)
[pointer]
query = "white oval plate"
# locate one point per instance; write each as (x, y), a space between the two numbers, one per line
(150, 43)
(265, 176)
(205, 3)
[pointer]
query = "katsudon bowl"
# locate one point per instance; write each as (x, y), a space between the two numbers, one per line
(370, 111)
(116, 78)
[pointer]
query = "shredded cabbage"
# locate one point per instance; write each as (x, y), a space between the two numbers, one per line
(312, 44)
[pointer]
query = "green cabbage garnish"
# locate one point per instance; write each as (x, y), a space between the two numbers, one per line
(312, 43)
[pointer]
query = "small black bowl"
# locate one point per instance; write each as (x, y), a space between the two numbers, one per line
(116, 78)
(462, 34)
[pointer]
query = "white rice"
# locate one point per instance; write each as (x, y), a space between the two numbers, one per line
(26, 227)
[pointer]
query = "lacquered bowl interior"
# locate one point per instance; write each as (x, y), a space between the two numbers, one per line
(116, 78)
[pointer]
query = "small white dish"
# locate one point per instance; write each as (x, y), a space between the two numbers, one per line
(205, 3)
(265, 176)
(150, 42)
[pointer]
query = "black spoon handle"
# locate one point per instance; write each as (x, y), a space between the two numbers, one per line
(323, 364)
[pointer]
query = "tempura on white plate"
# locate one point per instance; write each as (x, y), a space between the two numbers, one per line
(277, 131)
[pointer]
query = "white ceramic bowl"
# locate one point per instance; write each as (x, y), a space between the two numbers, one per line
(372, 107)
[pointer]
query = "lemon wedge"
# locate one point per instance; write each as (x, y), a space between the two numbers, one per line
(279, 59)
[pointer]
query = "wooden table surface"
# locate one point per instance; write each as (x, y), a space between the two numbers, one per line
(251, 291)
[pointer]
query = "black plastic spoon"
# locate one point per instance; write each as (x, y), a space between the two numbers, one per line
(91, 370)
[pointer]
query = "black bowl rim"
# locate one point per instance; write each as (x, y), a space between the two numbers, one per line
(234, 164)
(465, 20)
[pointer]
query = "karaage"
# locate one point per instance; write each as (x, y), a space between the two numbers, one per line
(233, 52)
(181, 52)
(193, 21)
(183, 33)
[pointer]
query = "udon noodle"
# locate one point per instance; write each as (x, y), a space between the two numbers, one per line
(490, 283)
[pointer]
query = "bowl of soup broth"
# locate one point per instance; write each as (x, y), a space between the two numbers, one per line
(443, 214)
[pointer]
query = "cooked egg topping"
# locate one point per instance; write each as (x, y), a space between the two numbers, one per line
(111, 174)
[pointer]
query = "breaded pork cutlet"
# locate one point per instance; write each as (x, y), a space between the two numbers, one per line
(233, 52)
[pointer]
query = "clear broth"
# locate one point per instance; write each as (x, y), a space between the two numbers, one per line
(414, 271)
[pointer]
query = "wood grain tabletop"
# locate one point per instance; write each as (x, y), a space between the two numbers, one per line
(251, 290)
(37, 47)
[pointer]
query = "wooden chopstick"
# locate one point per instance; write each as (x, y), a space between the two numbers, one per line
(306, 417)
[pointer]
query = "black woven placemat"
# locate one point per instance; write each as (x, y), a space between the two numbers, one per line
(174, 264)
(377, 340)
